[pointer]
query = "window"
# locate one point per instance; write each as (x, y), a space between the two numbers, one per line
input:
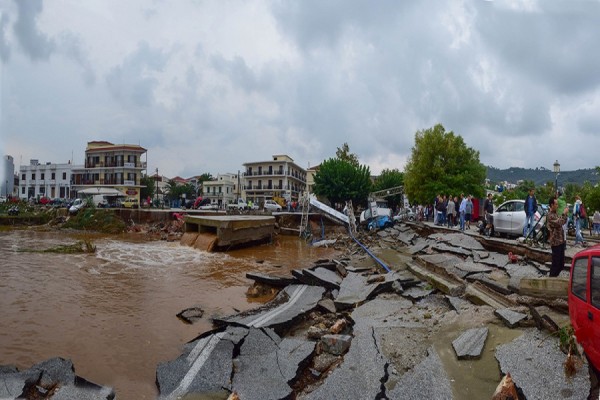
(33, 177)
(595, 282)
(64, 175)
(23, 190)
(579, 278)
(23, 177)
(42, 177)
(53, 176)
(519, 206)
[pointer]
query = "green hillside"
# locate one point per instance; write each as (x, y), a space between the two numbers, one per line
(542, 175)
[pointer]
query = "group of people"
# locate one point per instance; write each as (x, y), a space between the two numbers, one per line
(453, 211)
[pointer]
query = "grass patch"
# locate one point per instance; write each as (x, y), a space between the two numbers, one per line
(94, 219)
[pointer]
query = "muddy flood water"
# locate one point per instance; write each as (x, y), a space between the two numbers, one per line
(113, 313)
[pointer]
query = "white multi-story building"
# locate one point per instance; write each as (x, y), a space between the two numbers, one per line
(223, 190)
(7, 185)
(111, 166)
(279, 177)
(45, 180)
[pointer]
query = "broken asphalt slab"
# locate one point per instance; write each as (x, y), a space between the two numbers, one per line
(427, 380)
(267, 365)
(264, 368)
(322, 277)
(272, 280)
(469, 344)
(204, 367)
(293, 301)
(534, 361)
(57, 375)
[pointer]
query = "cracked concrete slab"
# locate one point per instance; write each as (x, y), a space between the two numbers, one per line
(364, 368)
(204, 367)
(534, 360)
(446, 248)
(293, 301)
(427, 380)
(55, 372)
(268, 364)
(354, 290)
(323, 277)
(509, 317)
(458, 239)
(470, 343)
(277, 281)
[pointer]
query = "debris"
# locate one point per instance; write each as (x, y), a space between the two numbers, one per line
(506, 389)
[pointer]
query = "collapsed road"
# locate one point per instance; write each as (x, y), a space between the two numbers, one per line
(453, 316)
(343, 329)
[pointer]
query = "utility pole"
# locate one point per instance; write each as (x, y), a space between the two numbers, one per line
(156, 179)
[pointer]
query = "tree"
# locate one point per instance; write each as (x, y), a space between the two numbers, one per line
(150, 186)
(339, 181)
(345, 155)
(390, 178)
(441, 163)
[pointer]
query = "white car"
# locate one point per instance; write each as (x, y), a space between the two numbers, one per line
(271, 205)
(509, 218)
(77, 205)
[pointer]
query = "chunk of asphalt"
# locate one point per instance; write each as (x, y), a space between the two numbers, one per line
(293, 301)
(336, 344)
(470, 344)
(427, 380)
(272, 280)
(535, 363)
(364, 369)
(354, 291)
(323, 277)
(204, 367)
(509, 317)
(458, 304)
(266, 366)
(54, 372)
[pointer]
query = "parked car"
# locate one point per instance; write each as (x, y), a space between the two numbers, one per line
(240, 204)
(584, 301)
(77, 205)
(131, 203)
(405, 215)
(208, 206)
(271, 205)
(509, 217)
(2, 199)
(380, 222)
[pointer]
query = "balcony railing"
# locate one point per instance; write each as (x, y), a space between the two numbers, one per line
(121, 164)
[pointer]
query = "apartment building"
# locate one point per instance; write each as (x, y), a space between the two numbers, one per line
(111, 166)
(279, 177)
(45, 180)
(223, 190)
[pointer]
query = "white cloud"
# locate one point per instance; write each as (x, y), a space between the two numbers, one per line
(206, 86)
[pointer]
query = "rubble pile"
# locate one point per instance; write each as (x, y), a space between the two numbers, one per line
(344, 329)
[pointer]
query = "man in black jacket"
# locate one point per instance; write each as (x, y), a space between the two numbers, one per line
(530, 210)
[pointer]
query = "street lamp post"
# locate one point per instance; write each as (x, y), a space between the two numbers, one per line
(556, 173)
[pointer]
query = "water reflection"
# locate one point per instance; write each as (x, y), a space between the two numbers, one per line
(114, 312)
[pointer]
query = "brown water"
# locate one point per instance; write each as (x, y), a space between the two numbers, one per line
(113, 313)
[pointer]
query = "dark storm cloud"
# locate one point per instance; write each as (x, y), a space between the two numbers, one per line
(132, 82)
(4, 47)
(36, 45)
(557, 46)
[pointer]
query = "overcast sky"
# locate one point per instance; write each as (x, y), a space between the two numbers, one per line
(208, 85)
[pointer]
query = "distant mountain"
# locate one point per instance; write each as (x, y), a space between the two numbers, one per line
(542, 175)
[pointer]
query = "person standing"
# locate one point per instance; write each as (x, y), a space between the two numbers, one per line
(577, 218)
(596, 222)
(530, 209)
(556, 237)
(468, 211)
(562, 203)
(488, 209)
(450, 208)
(462, 209)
